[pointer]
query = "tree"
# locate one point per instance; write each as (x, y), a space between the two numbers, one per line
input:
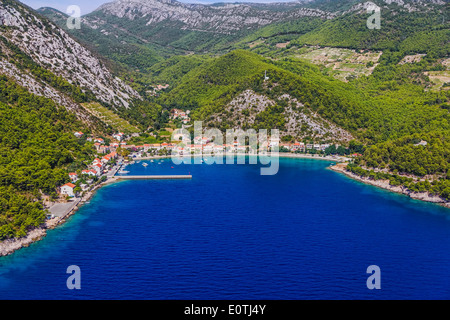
(341, 151)
(331, 150)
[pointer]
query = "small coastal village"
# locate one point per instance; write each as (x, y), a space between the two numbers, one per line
(112, 156)
(115, 151)
(118, 151)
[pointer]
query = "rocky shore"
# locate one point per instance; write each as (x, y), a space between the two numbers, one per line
(9, 246)
(423, 196)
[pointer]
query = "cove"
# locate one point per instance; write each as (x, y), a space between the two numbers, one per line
(230, 233)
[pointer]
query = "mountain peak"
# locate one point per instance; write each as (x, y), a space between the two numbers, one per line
(217, 18)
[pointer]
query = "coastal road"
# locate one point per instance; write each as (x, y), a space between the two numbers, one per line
(60, 210)
(114, 171)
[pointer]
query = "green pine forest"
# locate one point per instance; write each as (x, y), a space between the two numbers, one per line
(37, 146)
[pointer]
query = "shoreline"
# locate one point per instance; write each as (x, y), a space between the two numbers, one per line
(9, 246)
(280, 155)
(314, 157)
(384, 184)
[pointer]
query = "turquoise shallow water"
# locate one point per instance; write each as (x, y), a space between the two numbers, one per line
(230, 233)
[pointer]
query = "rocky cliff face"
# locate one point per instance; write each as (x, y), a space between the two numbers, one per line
(406, 5)
(300, 121)
(229, 18)
(223, 18)
(44, 44)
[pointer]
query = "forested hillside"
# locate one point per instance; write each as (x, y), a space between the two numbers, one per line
(45, 78)
(398, 108)
(36, 145)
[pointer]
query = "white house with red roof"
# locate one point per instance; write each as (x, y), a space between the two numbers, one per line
(146, 147)
(106, 159)
(119, 136)
(67, 189)
(98, 167)
(298, 146)
(91, 172)
(73, 176)
(78, 134)
(180, 114)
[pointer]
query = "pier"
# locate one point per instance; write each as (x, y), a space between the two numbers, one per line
(155, 177)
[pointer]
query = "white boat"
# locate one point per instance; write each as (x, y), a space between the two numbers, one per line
(124, 172)
(151, 160)
(145, 164)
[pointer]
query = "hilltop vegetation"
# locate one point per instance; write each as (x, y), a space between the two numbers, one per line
(350, 31)
(385, 105)
(216, 81)
(406, 155)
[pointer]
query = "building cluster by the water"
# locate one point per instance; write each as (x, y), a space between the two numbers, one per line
(206, 145)
(97, 168)
(198, 145)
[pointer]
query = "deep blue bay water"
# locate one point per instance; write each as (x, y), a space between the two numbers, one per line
(230, 233)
